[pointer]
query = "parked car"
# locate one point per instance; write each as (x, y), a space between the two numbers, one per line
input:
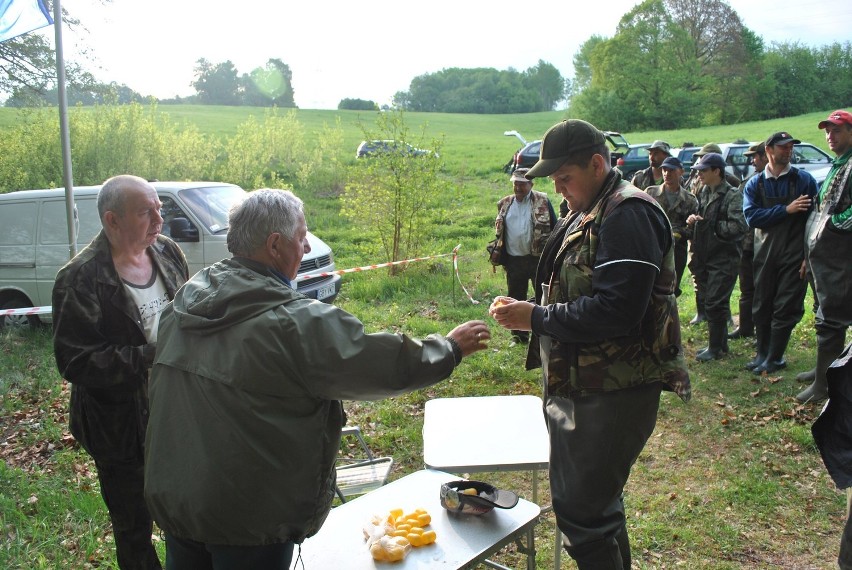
(527, 155)
(375, 147)
(633, 160)
(34, 239)
(805, 157)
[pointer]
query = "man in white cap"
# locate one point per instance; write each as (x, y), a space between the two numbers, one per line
(653, 175)
(525, 219)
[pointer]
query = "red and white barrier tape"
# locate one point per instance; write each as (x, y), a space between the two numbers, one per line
(454, 253)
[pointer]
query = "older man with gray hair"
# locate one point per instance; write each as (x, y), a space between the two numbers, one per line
(245, 395)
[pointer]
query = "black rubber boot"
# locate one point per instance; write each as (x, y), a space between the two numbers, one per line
(762, 334)
(807, 375)
(746, 328)
(700, 316)
(818, 390)
(718, 342)
(775, 356)
(598, 555)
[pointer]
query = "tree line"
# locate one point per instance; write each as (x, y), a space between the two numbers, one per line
(689, 63)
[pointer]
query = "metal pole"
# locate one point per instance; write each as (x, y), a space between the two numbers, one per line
(64, 136)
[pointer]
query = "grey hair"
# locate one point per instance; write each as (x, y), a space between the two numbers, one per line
(111, 196)
(260, 214)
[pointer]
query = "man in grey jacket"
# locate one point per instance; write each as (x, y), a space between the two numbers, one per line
(245, 395)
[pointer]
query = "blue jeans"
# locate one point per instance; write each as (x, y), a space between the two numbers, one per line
(183, 554)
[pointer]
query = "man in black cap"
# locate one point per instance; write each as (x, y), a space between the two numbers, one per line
(606, 334)
(657, 153)
(776, 204)
(524, 221)
(828, 243)
(678, 204)
(717, 232)
(745, 328)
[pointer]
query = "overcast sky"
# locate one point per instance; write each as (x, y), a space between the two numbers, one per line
(372, 49)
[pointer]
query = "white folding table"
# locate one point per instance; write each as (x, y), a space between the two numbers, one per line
(488, 433)
(463, 541)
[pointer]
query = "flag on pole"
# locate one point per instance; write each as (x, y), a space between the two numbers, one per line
(18, 17)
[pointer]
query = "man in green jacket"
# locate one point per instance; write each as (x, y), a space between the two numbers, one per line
(245, 396)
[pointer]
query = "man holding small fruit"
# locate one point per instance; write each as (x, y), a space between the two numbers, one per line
(606, 334)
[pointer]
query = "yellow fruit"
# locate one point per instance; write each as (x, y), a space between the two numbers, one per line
(399, 532)
(428, 537)
(415, 539)
(405, 526)
(424, 519)
(416, 530)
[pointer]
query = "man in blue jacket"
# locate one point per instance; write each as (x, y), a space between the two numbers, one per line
(776, 204)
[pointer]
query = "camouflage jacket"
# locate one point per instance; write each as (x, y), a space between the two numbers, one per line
(100, 347)
(694, 184)
(723, 227)
(644, 178)
(650, 352)
(543, 219)
(683, 206)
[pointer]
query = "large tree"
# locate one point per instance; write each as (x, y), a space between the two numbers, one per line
(216, 84)
(268, 86)
(671, 63)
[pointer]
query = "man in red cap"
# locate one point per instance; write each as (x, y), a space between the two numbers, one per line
(828, 241)
(776, 204)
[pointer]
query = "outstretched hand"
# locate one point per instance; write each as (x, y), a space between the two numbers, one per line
(471, 336)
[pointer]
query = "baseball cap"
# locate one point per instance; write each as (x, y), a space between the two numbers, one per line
(836, 118)
(759, 148)
(479, 499)
(672, 163)
(709, 147)
(781, 137)
(710, 160)
(561, 141)
(519, 175)
(662, 145)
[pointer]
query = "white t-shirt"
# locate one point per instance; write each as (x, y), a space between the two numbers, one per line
(151, 299)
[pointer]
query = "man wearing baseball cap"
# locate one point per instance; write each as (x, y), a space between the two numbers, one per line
(524, 221)
(717, 232)
(678, 204)
(828, 241)
(606, 334)
(745, 328)
(657, 153)
(776, 204)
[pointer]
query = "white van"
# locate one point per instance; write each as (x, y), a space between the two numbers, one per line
(34, 239)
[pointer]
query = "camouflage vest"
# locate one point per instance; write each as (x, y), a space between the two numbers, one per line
(542, 223)
(650, 352)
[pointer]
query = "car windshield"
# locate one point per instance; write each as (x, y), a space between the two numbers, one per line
(211, 204)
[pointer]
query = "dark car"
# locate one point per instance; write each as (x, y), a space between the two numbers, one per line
(372, 148)
(633, 160)
(528, 154)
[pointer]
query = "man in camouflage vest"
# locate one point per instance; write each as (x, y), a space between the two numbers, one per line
(678, 204)
(524, 221)
(606, 335)
(653, 175)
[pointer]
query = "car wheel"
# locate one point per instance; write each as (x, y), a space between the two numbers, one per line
(17, 321)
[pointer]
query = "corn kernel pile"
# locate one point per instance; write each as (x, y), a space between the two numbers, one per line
(391, 538)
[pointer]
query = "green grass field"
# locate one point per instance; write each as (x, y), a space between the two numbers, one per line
(731, 480)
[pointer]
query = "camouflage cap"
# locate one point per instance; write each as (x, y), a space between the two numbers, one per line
(709, 147)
